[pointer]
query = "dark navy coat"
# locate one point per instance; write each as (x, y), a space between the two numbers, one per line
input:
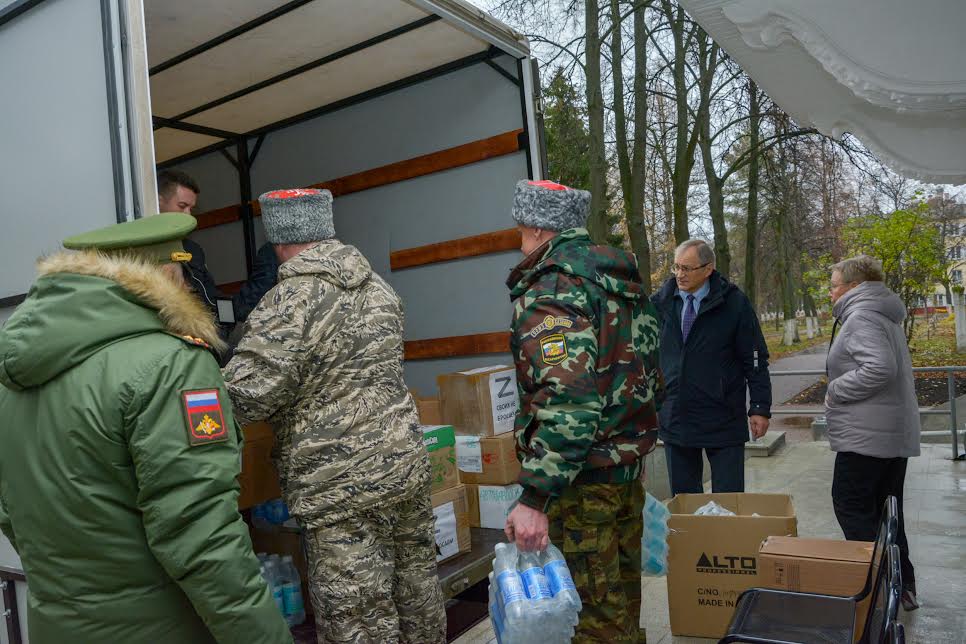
(707, 377)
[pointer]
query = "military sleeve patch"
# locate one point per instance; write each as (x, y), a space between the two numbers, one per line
(204, 418)
(550, 323)
(553, 348)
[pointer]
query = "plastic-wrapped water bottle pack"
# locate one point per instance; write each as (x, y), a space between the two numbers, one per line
(269, 513)
(284, 582)
(533, 599)
(654, 541)
(713, 509)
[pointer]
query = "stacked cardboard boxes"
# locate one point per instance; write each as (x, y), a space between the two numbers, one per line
(480, 402)
(491, 504)
(451, 510)
(487, 460)
(440, 443)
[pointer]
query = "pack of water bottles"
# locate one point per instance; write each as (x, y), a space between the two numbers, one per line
(533, 599)
(284, 581)
(654, 541)
(270, 513)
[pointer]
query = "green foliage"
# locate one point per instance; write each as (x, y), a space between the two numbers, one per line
(909, 247)
(568, 140)
(568, 145)
(815, 276)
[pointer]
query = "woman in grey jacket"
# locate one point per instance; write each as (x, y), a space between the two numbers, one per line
(872, 411)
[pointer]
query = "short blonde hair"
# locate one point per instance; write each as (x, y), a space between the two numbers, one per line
(860, 268)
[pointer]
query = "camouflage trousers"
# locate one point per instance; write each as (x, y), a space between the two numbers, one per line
(372, 578)
(598, 527)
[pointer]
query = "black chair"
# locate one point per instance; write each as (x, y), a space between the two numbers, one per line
(896, 633)
(765, 616)
(885, 601)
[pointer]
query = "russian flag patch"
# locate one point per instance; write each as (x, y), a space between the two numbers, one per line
(204, 418)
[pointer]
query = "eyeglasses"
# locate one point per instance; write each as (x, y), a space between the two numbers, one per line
(678, 268)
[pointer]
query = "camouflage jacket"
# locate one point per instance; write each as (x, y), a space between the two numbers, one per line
(585, 341)
(322, 360)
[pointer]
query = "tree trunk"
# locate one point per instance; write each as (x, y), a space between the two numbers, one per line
(751, 225)
(683, 151)
(631, 165)
(708, 63)
(597, 222)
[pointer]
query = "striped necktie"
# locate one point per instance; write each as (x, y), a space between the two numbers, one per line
(689, 315)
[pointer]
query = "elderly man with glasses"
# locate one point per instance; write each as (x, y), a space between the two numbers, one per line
(712, 352)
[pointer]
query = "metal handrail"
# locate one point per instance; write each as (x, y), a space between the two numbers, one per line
(950, 372)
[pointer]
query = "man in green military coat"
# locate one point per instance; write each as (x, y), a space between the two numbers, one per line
(119, 453)
(585, 340)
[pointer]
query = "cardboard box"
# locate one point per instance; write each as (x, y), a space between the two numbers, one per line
(713, 559)
(451, 510)
(439, 441)
(428, 409)
(488, 461)
(285, 541)
(480, 402)
(258, 480)
(824, 566)
(491, 504)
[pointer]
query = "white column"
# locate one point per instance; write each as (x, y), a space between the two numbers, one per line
(959, 311)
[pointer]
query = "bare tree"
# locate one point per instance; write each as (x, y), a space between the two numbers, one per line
(631, 159)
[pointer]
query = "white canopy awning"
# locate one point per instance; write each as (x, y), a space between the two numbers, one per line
(220, 70)
(891, 72)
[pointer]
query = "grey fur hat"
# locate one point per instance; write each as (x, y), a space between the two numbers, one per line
(550, 206)
(297, 215)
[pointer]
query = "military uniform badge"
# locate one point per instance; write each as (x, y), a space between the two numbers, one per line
(203, 416)
(553, 348)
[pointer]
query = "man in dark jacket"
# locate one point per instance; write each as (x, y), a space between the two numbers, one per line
(712, 351)
(178, 192)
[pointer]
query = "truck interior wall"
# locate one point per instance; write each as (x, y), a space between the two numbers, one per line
(453, 298)
(59, 125)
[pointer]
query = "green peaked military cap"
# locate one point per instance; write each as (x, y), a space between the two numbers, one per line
(156, 238)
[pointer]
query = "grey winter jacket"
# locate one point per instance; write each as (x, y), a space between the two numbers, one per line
(871, 401)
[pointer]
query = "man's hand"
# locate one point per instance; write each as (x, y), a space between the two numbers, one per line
(528, 528)
(759, 426)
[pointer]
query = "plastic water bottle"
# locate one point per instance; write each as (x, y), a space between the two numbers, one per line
(270, 573)
(510, 593)
(496, 613)
(292, 592)
(534, 578)
(561, 582)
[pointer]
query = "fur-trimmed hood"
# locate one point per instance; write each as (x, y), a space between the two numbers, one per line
(84, 301)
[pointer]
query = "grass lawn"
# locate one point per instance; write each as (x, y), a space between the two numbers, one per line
(773, 339)
(933, 344)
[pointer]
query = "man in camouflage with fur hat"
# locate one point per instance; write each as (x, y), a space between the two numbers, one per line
(322, 361)
(585, 341)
